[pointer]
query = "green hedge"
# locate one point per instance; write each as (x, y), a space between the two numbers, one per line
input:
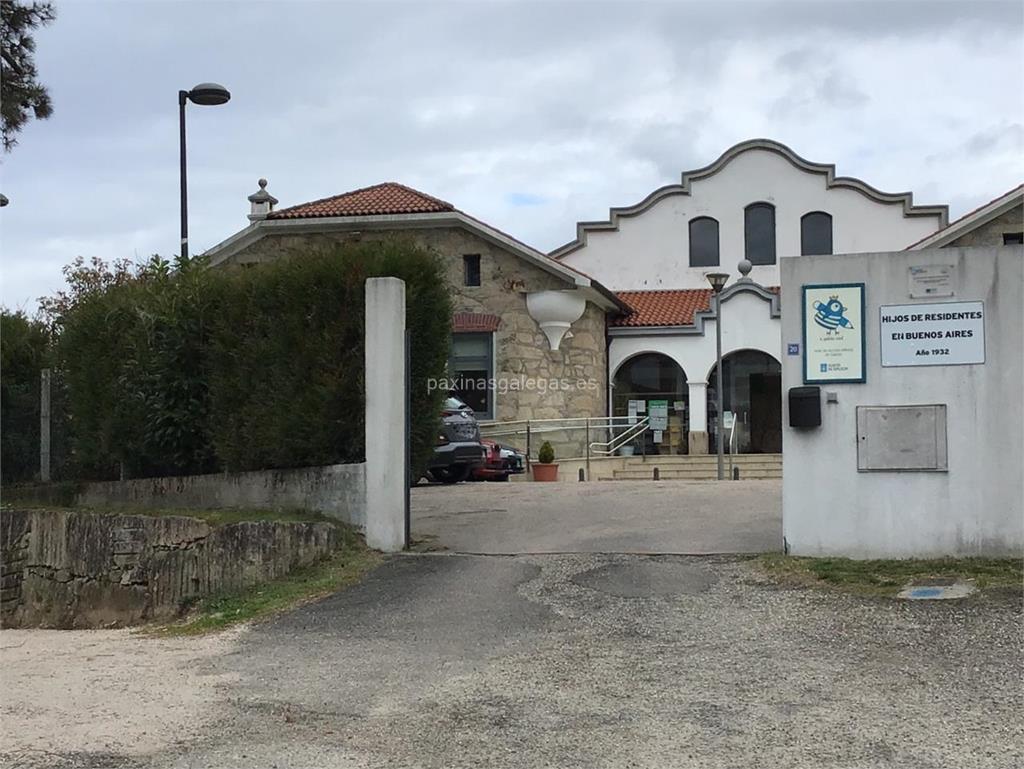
(193, 369)
(24, 349)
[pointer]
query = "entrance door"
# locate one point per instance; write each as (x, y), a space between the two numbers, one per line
(752, 392)
(765, 413)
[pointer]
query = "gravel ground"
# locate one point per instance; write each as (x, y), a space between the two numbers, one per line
(102, 697)
(549, 661)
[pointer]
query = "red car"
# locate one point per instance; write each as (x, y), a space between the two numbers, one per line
(499, 462)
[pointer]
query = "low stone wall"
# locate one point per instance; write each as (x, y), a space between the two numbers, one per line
(87, 570)
(337, 491)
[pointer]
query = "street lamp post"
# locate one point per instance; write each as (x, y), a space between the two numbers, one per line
(718, 281)
(204, 94)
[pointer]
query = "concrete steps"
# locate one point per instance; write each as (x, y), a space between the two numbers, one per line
(697, 468)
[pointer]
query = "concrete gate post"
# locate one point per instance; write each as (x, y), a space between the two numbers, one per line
(385, 414)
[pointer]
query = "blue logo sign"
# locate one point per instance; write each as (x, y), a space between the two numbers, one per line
(792, 348)
(824, 368)
(830, 315)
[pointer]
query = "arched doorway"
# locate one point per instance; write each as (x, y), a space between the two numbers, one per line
(654, 378)
(752, 392)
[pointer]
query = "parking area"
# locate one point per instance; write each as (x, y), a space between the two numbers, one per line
(671, 517)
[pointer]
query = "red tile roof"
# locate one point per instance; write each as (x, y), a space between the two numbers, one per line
(663, 308)
(674, 307)
(474, 321)
(391, 198)
(378, 200)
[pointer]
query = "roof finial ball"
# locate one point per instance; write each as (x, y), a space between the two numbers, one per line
(744, 267)
(262, 183)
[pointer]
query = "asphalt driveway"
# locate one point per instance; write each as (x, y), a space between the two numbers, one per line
(676, 517)
(541, 662)
(585, 660)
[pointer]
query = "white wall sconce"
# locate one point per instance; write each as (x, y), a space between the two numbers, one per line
(555, 311)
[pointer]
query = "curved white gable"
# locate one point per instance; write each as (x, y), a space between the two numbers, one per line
(647, 246)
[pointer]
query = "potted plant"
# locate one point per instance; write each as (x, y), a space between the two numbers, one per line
(546, 468)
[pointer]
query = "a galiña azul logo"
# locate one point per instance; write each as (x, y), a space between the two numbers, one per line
(830, 315)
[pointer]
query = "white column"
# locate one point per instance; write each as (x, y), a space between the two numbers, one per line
(698, 406)
(385, 414)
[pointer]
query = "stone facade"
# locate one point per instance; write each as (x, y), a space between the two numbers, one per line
(533, 381)
(991, 233)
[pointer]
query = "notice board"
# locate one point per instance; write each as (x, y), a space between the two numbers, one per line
(938, 334)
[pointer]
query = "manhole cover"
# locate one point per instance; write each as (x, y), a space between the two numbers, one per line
(936, 590)
(646, 579)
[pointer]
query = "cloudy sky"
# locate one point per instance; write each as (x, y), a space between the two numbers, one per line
(528, 115)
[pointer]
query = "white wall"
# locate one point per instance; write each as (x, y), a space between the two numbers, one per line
(746, 325)
(975, 508)
(651, 250)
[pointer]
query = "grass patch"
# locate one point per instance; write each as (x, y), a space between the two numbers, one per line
(343, 568)
(888, 577)
(218, 517)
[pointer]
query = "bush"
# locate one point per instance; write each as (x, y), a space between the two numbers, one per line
(24, 349)
(307, 312)
(546, 455)
(190, 370)
(132, 350)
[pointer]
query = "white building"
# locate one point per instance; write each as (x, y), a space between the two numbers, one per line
(760, 201)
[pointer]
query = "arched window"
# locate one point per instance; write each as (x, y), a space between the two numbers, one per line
(704, 242)
(647, 382)
(815, 233)
(759, 232)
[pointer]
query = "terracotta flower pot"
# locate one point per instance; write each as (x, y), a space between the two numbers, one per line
(545, 472)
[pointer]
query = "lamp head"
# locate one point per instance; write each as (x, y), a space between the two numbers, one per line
(717, 280)
(209, 95)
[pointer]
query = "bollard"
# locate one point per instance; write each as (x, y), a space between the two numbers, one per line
(657, 475)
(582, 478)
(735, 473)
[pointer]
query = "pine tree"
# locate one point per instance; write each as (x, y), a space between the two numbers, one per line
(22, 96)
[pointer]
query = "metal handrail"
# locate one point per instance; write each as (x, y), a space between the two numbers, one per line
(529, 427)
(621, 440)
(591, 420)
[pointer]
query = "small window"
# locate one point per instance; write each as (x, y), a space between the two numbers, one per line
(471, 269)
(471, 367)
(759, 233)
(704, 242)
(815, 233)
(1013, 238)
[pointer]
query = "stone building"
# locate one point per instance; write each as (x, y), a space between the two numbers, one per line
(528, 336)
(1000, 222)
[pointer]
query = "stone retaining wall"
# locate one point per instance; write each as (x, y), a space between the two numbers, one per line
(87, 570)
